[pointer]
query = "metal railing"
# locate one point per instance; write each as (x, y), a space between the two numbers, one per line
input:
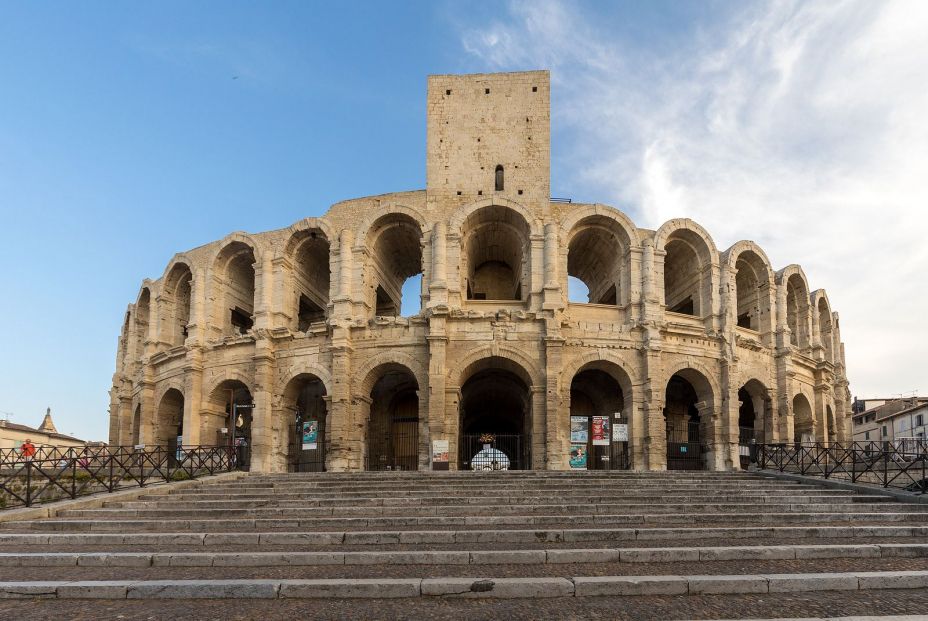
(59, 473)
(875, 463)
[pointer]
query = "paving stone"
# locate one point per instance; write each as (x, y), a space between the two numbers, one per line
(507, 557)
(380, 588)
(727, 584)
(28, 590)
(893, 580)
(497, 587)
(630, 585)
(787, 583)
(592, 555)
(659, 555)
(203, 589)
(740, 553)
(837, 551)
(113, 559)
(93, 590)
(38, 560)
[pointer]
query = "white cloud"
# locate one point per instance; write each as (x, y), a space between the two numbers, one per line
(799, 125)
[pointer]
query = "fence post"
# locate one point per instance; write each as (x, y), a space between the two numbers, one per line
(112, 484)
(73, 478)
(28, 483)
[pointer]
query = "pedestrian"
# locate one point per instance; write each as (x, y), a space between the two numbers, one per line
(27, 450)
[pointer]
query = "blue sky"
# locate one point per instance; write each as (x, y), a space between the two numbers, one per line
(131, 131)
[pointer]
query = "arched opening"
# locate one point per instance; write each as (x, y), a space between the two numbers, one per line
(495, 251)
(596, 406)
(136, 431)
(752, 418)
(396, 256)
(393, 429)
(495, 417)
(686, 273)
(236, 263)
(824, 327)
(499, 181)
(304, 410)
(169, 423)
(597, 256)
(797, 311)
(142, 314)
(752, 291)
(803, 426)
(176, 313)
(233, 406)
(310, 278)
(687, 396)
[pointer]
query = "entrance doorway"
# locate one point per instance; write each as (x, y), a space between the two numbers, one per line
(393, 431)
(684, 426)
(304, 409)
(495, 415)
(596, 399)
(235, 399)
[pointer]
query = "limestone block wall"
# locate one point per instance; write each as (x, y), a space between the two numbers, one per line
(303, 323)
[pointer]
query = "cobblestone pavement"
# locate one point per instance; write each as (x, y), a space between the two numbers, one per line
(492, 571)
(651, 608)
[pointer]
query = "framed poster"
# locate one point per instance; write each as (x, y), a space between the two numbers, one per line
(578, 429)
(600, 431)
(310, 434)
(620, 433)
(578, 456)
(439, 450)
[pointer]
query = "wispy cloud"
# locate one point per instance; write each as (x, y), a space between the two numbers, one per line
(799, 125)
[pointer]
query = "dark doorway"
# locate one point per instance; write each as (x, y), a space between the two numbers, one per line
(393, 431)
(595, 399)
(684, 446)
(495, 410)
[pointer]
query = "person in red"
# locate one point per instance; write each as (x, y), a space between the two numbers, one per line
(27, 449)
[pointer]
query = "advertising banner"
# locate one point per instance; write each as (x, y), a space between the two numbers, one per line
(439, 454)
(578, 456)
(620, 433)
(600, 431)
(578, 429)
(310, 434)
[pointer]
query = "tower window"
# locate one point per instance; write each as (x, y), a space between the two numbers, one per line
(499, 178)
(448, 92)
(534, 89)
(486, 91)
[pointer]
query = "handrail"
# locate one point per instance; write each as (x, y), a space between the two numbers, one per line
(885, 464)
(57, 473)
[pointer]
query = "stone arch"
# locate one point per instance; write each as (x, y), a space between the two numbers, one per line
(466, 365)
(228, 375)
(689, 365)
(301, 409)
(754, 284)
(217, 412)
(306, 367)
(686, 260)
(464, 213)
(169, 417)
(794, 293)
(823, 324)
(390, 209)
(142, 316)
(690, 401)
(365, 375)
(307, 282)
(495, 253)
(175, 303)
(604, 360)
(754, 411)
(394, 246)
(234, 284)
(396, 422)
(803, 419)
(598, 246)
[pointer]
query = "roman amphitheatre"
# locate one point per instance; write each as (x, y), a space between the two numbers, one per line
(292, 343)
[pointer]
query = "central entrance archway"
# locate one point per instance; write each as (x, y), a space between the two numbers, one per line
(495, 411)
(393, 430)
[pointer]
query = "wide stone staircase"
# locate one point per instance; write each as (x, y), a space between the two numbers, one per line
(430, 536)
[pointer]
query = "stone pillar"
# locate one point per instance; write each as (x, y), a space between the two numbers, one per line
(453, 424)
(262, 420)
(536, 278)
(193, 399)
(712, 425)
(727, 444)
(552, 298)
(124, 403)
(284, 301)
(557, 409)
(539, 415)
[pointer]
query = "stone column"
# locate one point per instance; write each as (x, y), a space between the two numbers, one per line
(539, 415)
(193, 399)
(557, 412)
(124, 403)
(262, 415)
(552, 298)
(453, 424)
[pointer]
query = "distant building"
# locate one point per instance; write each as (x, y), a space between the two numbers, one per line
(894, 420)
(12, 435)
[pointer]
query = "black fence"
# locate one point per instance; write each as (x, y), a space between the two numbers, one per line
(58, 473)
(494, 452)
(307, 446)
(395, 449)
(886, 464)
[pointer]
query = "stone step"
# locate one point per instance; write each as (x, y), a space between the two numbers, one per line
(205, 525)
(587, 536)
(487, 510)
(472, 587)
(463, 557)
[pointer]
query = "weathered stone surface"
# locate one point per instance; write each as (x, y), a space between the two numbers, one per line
(351, 587)
(28, 590)
(497, 587)
(203, 589)
(727, 584)
(93, 590)
(630, 585)
(893, 580)
(785, 583)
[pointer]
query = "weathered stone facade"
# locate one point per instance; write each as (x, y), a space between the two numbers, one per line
(682, 340)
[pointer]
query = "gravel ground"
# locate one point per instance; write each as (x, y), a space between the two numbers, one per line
(645, 608)
(480, 571)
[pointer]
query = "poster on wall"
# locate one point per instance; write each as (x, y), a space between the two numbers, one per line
(310, 434)
(578, 429)
(578, 456)
(620, 433)
(600, 431)
(440, 454)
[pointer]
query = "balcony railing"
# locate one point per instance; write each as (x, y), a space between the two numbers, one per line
(59, 473)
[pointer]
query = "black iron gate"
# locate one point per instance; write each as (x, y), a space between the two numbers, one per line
(307, 445)
(684, 450)
(394, 445)
(493, 451)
